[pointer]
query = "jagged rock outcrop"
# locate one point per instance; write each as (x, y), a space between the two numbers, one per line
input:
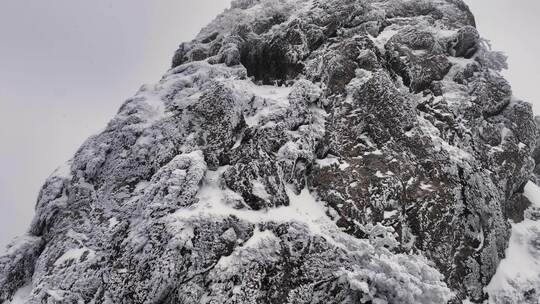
(298, 151)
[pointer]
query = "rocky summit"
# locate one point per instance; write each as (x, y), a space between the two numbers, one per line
(298, 151)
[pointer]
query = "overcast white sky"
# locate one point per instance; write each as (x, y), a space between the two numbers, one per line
(67, 65)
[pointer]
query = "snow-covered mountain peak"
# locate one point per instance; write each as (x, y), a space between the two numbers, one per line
(297, 152)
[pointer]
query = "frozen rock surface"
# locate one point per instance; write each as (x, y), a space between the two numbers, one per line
(322, 151)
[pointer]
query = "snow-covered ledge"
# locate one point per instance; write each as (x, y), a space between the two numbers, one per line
(519, 273)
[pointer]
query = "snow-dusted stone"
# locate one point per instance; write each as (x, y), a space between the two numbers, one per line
(300, 151)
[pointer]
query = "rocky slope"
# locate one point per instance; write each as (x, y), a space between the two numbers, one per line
(323, 151)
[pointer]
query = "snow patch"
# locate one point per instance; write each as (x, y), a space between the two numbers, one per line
(532, 192)
(152, 106)
(390, 214)
(259, 236)
(461, 61)
(303, 208)
(21, 295)
(260, 101)
(259, 190)
(256, 241)
(383, 38)
(272, 92)
(426, 187)
(375, 152)
(344, 166)
(327, 162)
(521, 265)
(442, 33)
(237, 142)
(113, 222)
